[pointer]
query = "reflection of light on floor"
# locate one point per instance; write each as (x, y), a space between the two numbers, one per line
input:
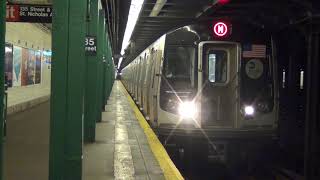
(195, 99)
(123, 163)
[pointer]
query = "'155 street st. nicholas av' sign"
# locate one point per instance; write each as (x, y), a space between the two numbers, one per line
(42, 14)
(29, 13)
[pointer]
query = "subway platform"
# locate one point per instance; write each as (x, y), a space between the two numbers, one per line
(125, 147)
(25, 97)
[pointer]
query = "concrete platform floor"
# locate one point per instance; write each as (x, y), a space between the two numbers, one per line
(121, 150)
(27, 144)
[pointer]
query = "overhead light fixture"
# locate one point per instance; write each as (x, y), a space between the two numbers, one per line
(134, 12)
(157, 8)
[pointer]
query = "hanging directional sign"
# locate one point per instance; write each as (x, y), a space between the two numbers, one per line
(29, 13)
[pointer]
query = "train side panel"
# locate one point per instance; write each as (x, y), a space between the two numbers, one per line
(142, 76)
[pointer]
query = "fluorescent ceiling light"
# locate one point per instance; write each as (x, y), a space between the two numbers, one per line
(134, 12)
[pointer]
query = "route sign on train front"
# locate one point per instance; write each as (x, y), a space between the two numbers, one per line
(29, 13)
(220, 29)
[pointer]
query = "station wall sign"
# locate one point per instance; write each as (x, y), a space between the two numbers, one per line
(29, 13)
(91, 46)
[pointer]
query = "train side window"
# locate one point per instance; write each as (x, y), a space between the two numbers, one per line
(217, 66)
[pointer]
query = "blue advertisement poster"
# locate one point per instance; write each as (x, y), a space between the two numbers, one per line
(17, 60)
(26, 66)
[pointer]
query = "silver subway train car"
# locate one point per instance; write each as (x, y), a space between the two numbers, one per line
(214, 80)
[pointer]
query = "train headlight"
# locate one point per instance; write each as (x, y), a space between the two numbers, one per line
(248, 110)
(187, 109)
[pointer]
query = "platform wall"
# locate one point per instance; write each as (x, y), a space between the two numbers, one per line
(30, 63)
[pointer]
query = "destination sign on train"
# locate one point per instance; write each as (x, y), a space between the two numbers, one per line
(28, 13)
(220, 29)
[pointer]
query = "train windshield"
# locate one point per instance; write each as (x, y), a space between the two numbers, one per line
(217, 66)
(179, 72)
(179, 64)
(178, 76)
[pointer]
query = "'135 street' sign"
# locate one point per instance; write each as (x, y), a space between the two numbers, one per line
(91, 46)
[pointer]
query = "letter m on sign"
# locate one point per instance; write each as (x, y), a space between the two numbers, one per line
(220, 29)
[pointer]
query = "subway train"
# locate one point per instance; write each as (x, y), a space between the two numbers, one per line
(211, 85)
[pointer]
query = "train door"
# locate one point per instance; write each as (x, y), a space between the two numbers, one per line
(137, 80)
(151, 84)
(142, 77)
(142, 70)
(218, 83)
(147, 84)
(144, 83)
(132, 69)
(157, 58)
(130, 78)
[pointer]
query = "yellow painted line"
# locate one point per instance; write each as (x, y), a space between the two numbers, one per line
(170, 171)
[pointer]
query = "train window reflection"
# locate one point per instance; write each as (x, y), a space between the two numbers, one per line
(217, 66)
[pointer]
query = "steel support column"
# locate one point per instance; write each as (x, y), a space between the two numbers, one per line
(105, 64)
(92, 65)
(2, 54)
(67, 89)
(101, 64)
(109, 68)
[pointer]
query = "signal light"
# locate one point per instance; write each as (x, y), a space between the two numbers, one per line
(223, 1)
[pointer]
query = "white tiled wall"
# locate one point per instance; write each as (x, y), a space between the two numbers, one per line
(33, 36)
(28, 35)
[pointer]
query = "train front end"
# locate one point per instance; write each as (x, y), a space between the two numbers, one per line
(218, 81)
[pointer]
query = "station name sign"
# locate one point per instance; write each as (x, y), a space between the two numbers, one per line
(91, 45)
(29, 13)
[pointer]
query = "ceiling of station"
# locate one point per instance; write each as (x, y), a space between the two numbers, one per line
(173, 14)
(116, 15)
(160, 16)
(177, 13)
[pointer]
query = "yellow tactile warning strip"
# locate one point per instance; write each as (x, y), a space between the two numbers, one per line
(170, 171)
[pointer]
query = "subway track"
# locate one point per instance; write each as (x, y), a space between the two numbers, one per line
(193, 168)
